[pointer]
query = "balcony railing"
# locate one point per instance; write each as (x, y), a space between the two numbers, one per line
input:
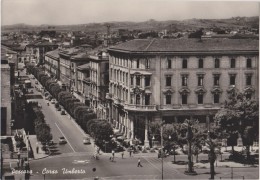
(137, 107)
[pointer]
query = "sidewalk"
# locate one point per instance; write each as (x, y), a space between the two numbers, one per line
(41, 154)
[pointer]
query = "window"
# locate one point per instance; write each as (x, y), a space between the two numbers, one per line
(147, 64)
(138, 99)
(249, 80)
(147, 80)
(217, 64)
(232, 63)
(200, 81)
(200, 63)
(138, 81)
(169, 63)
(126, 78)
(184, 80)
(168, 80)
(216, 80)
(132, 80)
(184, 98)
(137, 63)
(184, 64)
(249, 63)
(200, 98)
(168, 99)
(216, 98)
(232, 79)
(147, 99)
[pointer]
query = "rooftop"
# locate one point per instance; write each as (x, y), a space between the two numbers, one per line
(187, 45)
(54, 53)
(84, 66)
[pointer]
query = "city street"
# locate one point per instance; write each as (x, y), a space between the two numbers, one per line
(62, 125)
(74, 160)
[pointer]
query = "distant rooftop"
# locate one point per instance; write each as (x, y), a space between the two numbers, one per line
(54, 53)
(186, 45)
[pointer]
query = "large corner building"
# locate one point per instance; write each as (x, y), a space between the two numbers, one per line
(171, 80)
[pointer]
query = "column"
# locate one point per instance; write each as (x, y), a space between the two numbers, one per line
(208, 122)
(132, 131)
(146, 140)
(128, 130)
(175, 119)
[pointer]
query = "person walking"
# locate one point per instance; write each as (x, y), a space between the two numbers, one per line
(22, 162)
(18, 163)
(130, 152)
(139, 163)
(122, 154)
(37, 149)
(18, 155)
(113, 155)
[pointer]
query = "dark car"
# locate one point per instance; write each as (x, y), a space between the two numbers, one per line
(62, 140)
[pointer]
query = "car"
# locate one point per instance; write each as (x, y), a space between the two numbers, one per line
(53, 101)
(62, 140)
(31, 91)
(36, 82)
(62, 112)
(86, 140)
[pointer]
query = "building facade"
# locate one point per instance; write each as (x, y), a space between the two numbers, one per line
(98, 82)
(70, 59)
(52, 64)
(173, 80)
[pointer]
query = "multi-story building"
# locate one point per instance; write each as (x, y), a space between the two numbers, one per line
(41, 48)
(70, 59)
(83, 88)
(8, 59)
(98, 82)
(171, 80)
(52, 64)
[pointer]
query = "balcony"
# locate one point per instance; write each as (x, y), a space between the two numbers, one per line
(137, 107)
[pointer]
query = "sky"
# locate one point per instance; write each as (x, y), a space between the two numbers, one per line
(66, 12)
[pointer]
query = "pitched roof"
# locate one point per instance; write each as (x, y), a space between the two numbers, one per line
(188, 45)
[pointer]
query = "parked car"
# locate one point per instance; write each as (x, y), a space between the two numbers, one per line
(86, 140)
(62, 112)
(31, 91)
(53, 101)
(36, 82)
(62, 140)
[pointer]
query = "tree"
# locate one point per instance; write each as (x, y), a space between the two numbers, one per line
(192, 131)
(43, 133)
(238, 115)
(170, 138)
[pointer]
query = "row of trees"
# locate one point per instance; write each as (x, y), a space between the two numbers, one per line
(238, 118)
(42, 130)
(84, 116)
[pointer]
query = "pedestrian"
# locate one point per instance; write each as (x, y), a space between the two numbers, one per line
(18, 155)
(139, 163)
(113, 155)
(130, 152)
(37, 149)
(122, 154)
(22, 162)
(18, 163)
(98, 150)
